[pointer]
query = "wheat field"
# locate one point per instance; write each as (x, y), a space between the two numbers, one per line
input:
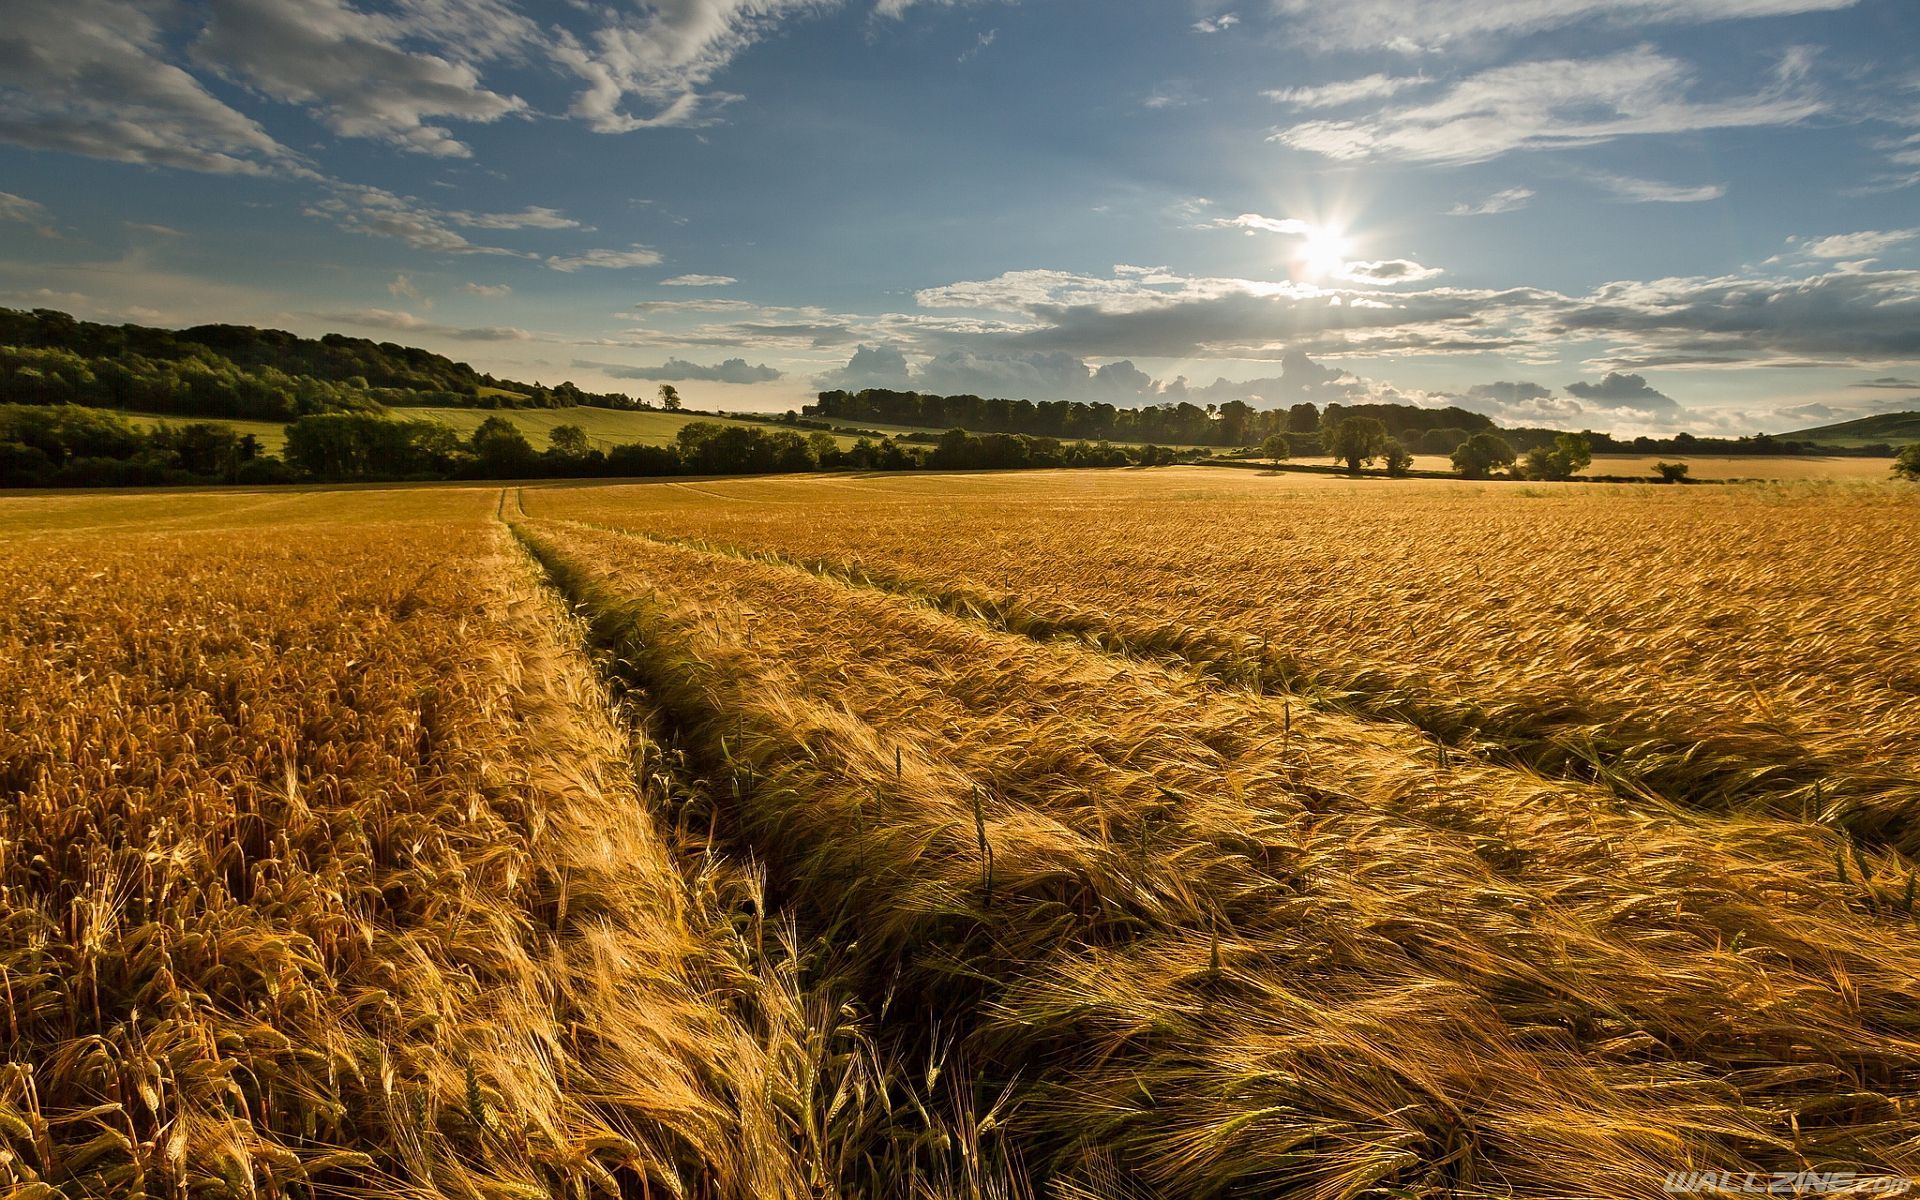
(1125, 835)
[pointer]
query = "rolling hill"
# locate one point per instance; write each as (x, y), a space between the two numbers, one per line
(1892, 428)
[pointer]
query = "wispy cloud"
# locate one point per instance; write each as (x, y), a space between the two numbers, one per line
(1864, 244)
(1333, 95)
(1652, 191)
(1504, 200)
(1219, 24)
(699, 281)
(614, 260)
(1415, 26)
(1548, 105)
(27, 212)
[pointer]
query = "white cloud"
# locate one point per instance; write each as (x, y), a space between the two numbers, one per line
(699, 281)
(92, 77)
(490, 291)
(533, 217)
(870, 367)
(1421, 25)
(1864, 244)
(1255, 223)
(1505, 200)
(1333, 95)
(1219, 24)
(663, 56)
(402, 288)
(633, 256)
(1652, 191)
(350, 67)
(1548, 105)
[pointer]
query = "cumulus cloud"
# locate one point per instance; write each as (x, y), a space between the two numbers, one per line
(1845, 315)
(1421, 25)
(699, 281)
(1520, 402)
(1619, 390)
(92, 77)
(1505, 200)
(405, 322)
(348, 66)
(870, 367)
(679, 370)
(1548, 105)
(1301, 380)
(613, 260)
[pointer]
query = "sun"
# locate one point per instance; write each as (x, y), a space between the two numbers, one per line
(1322, 252)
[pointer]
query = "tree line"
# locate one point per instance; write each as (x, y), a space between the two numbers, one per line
(1233, 424)
(66, 445)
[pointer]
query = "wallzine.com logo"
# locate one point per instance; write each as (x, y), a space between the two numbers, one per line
(1787, 1183)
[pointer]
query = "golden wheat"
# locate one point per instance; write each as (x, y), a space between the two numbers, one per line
(1243, 945)
(1125, 834)
(1708, 644)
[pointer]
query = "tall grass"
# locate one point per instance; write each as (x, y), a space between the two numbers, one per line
(1232, 944)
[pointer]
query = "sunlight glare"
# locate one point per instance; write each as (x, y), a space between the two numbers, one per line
(1322, 252)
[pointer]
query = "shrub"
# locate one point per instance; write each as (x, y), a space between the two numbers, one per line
(1907, 465)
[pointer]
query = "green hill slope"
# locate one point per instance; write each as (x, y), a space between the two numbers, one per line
(1893, 428)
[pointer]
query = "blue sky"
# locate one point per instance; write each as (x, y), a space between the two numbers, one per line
(1620, 214)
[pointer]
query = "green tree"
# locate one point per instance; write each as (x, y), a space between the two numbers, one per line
(569, 441)
(500, 448)
(1356, 441)
(1276, 447)
(825, 447)
(1398, 458)
(669, 397)
(1907, 464)
(1476, 457)
(1570, 454)
(1674, 472)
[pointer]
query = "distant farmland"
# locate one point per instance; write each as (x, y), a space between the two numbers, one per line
(1095, 834)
